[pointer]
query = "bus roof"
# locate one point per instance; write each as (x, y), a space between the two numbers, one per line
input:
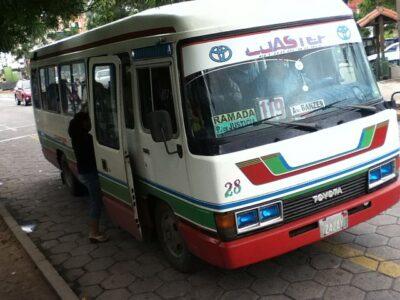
(200, 15)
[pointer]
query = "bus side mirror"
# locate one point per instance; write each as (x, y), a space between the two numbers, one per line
(392, 103)
(160, 126)
(161, 130)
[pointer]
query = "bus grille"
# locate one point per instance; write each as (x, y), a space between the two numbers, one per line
(304, 205)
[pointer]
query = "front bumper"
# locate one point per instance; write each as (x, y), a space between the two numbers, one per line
(264, 245)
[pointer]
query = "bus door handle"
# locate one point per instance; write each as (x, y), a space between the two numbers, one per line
(104, 165)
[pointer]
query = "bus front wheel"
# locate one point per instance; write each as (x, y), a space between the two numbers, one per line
(171, 241)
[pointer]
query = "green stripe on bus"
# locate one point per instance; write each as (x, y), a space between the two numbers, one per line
(188, 211)
(115, 189)
(48, 143)
(367, 138)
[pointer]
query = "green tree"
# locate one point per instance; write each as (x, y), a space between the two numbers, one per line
(368, 5)
(101, 12)
(10, 75)
(23, 23)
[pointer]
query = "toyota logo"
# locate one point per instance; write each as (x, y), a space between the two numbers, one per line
(220, 54)
(344, 32)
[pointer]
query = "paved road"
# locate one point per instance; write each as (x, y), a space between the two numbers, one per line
(361, 263)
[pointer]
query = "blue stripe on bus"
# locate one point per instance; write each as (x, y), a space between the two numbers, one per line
(221, 207)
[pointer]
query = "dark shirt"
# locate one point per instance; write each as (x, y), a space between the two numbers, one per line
(82, 143)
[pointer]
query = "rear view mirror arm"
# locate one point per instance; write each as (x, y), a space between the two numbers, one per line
(178, 151)
(392, 103)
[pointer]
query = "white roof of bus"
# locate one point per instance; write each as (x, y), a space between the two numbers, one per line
(215, 15)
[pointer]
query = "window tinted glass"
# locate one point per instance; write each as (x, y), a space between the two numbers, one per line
(162, 92)
(53, 99)
(79, 89)
(66, 89)
(105, 106)
(35, 89)
(43, 90)
(145, 94)
(127, 90)
(49, 89)
(156, 93)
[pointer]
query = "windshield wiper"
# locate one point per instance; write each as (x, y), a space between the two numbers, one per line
(366, 108)
(297, 125)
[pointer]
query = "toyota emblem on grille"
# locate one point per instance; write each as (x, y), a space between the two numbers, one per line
(327, 195)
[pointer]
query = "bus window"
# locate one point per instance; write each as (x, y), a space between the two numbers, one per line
(127, 90)
(79, 90)
(66, 89)
(43, 91)
(105, 106)
(156, 93)
(49, 89)
(35, 89)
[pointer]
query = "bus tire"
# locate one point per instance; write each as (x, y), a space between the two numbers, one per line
(69, 179)
(170, 239)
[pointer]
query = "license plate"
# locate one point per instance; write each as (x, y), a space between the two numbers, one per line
(333, 224)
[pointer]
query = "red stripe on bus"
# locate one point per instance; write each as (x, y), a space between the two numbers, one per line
(260, 174)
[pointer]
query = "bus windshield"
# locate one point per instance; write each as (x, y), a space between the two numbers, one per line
(231, 85)
(283, 88)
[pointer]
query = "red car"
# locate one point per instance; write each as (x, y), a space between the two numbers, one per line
(23, 92)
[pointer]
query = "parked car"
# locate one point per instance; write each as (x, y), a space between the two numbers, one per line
(392, 54)
(23, 92)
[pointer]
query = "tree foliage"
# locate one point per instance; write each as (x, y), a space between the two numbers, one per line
(24, 22)
(368, 5)
(101, 12)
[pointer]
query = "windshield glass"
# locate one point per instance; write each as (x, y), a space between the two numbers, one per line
(225, 101)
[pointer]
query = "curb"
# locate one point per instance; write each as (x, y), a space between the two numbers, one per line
(50, 274)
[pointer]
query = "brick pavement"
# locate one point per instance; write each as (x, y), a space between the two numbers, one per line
(343, 267)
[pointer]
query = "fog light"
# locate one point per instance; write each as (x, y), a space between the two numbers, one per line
(374, 175)
(387, 169)
(247, 218)
(270, 212)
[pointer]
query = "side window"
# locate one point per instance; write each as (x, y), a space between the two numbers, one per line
(43, 90)
(156, 93)
(79, 88)
(49, 89)
(35, 89)
(66, 89)
(145, 95)
(127, 90)
(53, 99)
(105, 105)
(73, 87)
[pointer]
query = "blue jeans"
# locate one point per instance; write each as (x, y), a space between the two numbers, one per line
(91, 182)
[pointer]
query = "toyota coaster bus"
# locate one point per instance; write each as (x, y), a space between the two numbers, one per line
(236, 130)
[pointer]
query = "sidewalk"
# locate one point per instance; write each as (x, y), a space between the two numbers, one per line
(19, 277)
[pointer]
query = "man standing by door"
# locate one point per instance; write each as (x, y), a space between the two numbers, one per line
(82, 143)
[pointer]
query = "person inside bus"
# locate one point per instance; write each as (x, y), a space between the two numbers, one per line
(225, 93)
(82, 143)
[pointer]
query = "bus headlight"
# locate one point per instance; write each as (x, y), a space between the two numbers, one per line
(230, 224)
(259, 217)
(270, 212)
(247, 218)
(381, 174)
